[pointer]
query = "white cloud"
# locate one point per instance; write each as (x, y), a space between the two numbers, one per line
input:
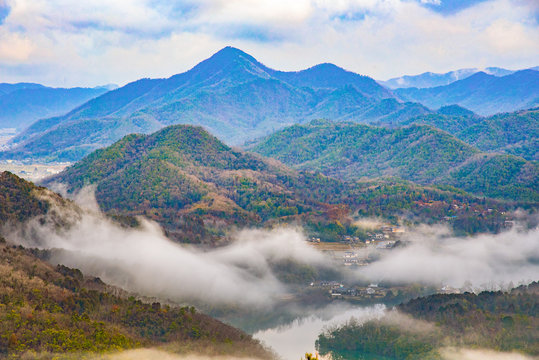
(101, 41)
(485, 261)
(14, 47)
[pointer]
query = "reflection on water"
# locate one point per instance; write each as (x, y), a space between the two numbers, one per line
(293, 340)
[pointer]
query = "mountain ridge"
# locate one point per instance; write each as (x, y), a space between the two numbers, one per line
(418, 153)
(482, 93)
(198, 188)
(515, 133)
(431, 79)
(231, 94)
(24, 103)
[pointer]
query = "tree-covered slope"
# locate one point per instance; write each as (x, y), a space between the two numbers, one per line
(198, 188)
(501, 321)
(55, 309)
(58, 310)
(181, 172)
(421, 154)
(231, 94)
(514, 133)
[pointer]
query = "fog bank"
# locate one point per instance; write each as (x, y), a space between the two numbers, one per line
(475, 354)
(150, 354)
(145, 261)
(480, 262)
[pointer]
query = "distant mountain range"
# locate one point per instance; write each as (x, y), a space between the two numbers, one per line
(239, 99)
(482, 93)
(429, 79)
(422, 154)
(231, 94)
(24, 103)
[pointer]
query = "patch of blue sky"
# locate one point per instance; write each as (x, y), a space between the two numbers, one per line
(449, 7)
(175, 9)
(4, 12)
(351, 16)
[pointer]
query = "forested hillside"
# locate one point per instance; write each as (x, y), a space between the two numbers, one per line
(197, 188)
(422, 154)
(514, 133)
(55, 309)
(502, 321)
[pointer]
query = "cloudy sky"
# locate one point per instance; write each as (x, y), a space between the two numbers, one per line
(93, 42)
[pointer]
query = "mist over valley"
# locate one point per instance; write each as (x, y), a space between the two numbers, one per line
(269, 180)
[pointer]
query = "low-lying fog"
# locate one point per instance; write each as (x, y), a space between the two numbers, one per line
(143, 260)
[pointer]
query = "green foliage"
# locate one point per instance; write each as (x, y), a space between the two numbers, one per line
(514, 133)
(58, 310)
(416, 153)
(197, 187)
(502, 321)
(376, 340)
(18, 201)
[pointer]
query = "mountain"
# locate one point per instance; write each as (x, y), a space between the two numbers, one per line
(482, 93)
(6, 88)
(425, 327)
(231, 94)
(53, 310)
(514, 133)
(429, 79)
(198, 189)
(422, 154)
(24, 103)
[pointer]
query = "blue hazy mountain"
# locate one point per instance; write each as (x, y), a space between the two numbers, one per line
(430, 79)
(231, 94)
(24, 103)
(7, 88)
(482, 93)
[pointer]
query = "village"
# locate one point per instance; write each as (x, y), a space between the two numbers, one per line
(352, 252)
(376, 293)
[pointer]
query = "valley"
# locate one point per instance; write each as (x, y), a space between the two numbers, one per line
(236, 211)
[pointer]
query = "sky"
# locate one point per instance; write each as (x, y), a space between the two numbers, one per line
(66, 43)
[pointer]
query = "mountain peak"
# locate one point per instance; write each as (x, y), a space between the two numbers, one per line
(231, 51)
(230, 58)
(230, 54)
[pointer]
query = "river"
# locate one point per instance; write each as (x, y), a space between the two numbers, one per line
(293, 340)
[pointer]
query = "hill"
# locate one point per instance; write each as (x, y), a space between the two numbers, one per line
(501, 321)
(482, 93)
(54, 309)
(24, 103)
(430, 79)
(198, 188)
(231, 94)
(421, 154)
(514, 133)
